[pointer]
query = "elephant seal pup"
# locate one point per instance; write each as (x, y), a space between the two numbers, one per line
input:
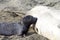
(19, 28)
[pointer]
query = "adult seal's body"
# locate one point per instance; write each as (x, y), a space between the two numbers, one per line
(48, 22)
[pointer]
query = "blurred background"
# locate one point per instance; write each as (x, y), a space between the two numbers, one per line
(14, 10)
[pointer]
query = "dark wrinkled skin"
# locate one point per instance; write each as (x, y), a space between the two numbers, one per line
(19, 28)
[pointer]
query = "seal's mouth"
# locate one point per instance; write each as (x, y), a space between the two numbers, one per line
(36, 30)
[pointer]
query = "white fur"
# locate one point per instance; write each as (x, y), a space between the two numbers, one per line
(48, 21)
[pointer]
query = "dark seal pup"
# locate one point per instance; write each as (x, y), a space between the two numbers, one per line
(19, 28)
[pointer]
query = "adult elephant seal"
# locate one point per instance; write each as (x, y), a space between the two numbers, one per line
(48, 23)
